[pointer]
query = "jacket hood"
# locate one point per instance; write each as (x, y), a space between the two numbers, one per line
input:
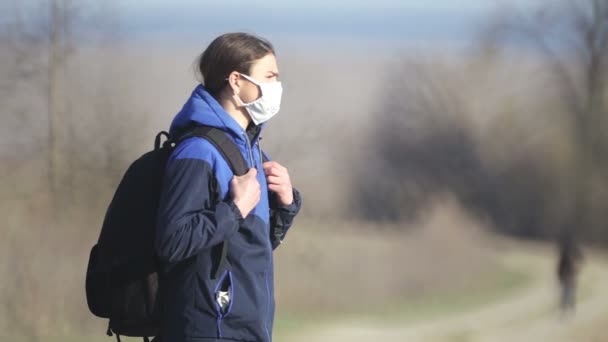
(202, 108)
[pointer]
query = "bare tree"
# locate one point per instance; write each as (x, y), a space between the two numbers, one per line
(422, 145)
(572, 38)
(61, 20)
(42, 39)
(42, 28)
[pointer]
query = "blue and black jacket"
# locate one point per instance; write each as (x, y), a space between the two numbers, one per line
(196, 214)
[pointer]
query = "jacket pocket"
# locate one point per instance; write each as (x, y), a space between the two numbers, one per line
(223, 294)
(214, 299)
(249, 301)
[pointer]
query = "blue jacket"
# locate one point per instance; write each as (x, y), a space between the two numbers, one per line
(196, 214)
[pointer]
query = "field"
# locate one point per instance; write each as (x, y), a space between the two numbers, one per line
(444, 279)
(523, 308)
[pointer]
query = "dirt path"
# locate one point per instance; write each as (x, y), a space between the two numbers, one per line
(527, 315)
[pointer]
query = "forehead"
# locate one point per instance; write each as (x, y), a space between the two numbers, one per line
(265, 64)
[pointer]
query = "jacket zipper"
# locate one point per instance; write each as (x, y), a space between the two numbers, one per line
(267, 307)
(249, 149)
(259, 144)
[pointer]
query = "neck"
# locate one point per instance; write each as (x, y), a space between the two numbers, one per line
(239, 114)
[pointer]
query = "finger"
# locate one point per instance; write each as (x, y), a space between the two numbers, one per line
(276, 171)
(267, 169)
(276, 188)
(253, 172)
(270, 164)
(273, 168)
(275, 180)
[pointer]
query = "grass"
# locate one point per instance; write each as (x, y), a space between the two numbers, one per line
(503, 281)
(355, 264)
(487, 289)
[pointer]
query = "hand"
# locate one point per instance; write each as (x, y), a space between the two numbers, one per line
(245, 191)
(279, 182)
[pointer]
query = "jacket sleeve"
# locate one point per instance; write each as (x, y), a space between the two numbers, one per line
(281, 218)
(191, 217)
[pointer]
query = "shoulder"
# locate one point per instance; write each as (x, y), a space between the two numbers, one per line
(196, 152)
(195, 148)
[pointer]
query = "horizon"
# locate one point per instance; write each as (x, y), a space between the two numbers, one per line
(384, 23)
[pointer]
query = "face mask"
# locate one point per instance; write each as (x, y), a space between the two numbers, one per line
(269, 103)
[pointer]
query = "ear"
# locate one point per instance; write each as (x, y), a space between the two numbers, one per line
(234, 80)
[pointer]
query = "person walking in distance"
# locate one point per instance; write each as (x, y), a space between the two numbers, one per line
(568, 267)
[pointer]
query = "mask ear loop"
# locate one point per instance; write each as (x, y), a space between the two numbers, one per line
(254, 82)
(251, 80)
(235, 94)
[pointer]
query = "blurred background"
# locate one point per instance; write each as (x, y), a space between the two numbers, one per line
(447, 152)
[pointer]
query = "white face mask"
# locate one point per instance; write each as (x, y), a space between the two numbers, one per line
(269, 103)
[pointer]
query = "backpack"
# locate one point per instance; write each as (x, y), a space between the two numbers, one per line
(122, 279)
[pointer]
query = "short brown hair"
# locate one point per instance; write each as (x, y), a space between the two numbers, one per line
(227, 53)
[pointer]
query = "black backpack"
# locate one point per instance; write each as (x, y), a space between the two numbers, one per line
(122, 280)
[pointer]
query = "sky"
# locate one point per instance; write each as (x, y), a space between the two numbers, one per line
(390, 21)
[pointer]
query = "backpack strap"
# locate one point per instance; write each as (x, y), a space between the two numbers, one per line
(225, 146)
(110, 333)
(232, 155)
(158, 139)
